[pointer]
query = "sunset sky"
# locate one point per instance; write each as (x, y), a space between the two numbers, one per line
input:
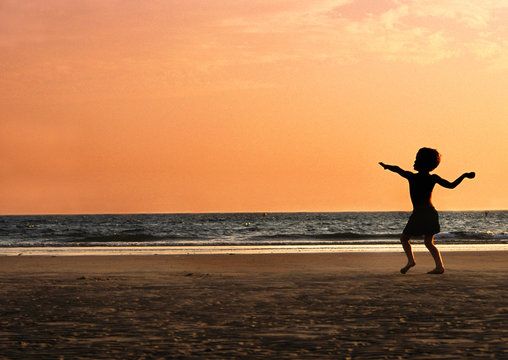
(249, 105)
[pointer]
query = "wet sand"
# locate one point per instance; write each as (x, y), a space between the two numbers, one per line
(278, 306)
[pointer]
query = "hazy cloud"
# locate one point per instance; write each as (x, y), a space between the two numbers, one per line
(165, 46)
(394, 30)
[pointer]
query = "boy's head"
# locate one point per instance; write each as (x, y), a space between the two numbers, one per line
(427, 159)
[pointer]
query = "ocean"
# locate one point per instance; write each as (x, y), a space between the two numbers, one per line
(233, 229)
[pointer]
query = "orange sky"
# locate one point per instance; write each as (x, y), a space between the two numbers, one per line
(266, 105)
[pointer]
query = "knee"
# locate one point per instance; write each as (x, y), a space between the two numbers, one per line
(404, 239)
(429, 244)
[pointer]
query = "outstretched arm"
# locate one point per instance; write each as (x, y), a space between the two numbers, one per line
(396, 169)
(453, 185)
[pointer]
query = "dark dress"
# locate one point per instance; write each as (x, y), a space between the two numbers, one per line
(423, 221)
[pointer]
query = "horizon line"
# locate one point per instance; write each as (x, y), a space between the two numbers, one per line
(239, 212)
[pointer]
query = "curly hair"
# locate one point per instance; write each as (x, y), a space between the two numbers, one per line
(427, 159)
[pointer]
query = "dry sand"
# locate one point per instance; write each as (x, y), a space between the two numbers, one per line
(292, 306)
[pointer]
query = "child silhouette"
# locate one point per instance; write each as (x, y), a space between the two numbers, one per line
(424, 220)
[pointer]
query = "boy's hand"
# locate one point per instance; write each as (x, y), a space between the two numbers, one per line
(470, 175)
(383, 165)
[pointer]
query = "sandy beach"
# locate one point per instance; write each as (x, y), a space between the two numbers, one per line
(280, 306)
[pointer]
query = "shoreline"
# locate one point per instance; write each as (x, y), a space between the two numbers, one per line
(236, 249)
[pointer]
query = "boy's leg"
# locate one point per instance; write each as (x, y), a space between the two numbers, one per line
(406, 245)
(429, 243)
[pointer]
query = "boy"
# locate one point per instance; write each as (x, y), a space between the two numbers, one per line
(424, 220)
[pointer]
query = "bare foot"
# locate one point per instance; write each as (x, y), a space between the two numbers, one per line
(436, 271)
(407, 267)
